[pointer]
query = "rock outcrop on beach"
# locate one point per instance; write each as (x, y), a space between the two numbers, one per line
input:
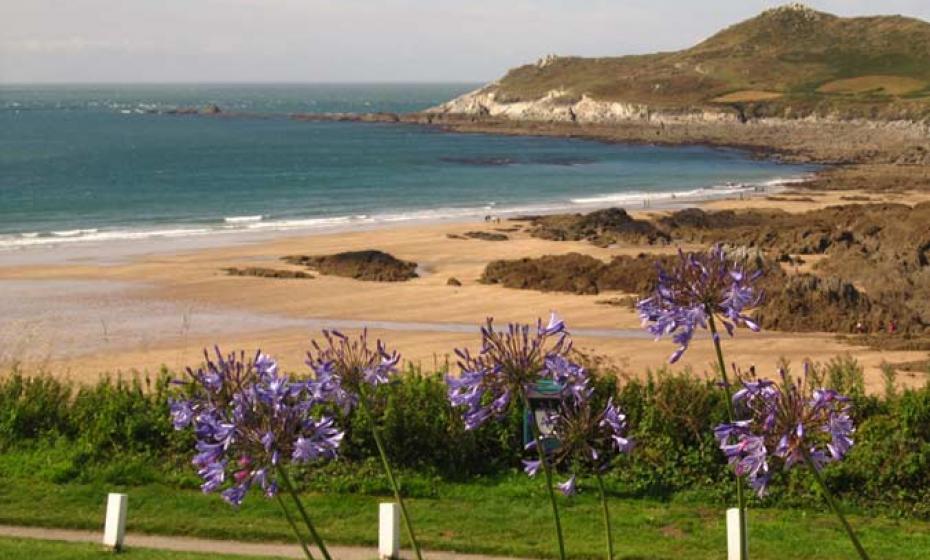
(872, 264)
(370, 265)
(601, 227)
(261, 272)
(486, 235)
(574, 273)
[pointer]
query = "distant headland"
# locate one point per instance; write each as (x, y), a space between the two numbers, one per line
(792, 83)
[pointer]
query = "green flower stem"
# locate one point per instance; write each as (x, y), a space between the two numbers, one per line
(828, 497)
(607, 531)
(740, 495)
(303, 512)
(546, 469)
(290, 521)
(390, 475)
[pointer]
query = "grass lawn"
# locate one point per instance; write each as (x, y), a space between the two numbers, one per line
(54, 550)
(508, 516)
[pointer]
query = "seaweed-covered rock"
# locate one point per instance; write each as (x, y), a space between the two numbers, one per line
(371, 265)
(808, 303)
(576, 273)
(453, 281)
(486, 236)
(601, 227)
(261, 272)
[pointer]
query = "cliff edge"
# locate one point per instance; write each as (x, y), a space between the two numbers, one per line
(790, 62)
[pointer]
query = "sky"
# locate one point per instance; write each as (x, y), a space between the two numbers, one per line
(351, 40)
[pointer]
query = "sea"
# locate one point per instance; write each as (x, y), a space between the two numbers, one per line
(104, 162)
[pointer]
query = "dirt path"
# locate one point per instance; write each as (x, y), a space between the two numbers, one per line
(187, 544)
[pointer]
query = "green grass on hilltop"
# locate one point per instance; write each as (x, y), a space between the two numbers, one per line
(786, 56)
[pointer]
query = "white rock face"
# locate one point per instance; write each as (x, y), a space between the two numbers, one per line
(554, 107)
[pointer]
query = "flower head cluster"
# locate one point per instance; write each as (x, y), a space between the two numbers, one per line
(787, 422)
(510, 362)
(586, 438)
(700, 286)
(249, 419)
(344, 368)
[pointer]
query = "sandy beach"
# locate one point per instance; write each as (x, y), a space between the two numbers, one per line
(90, 313)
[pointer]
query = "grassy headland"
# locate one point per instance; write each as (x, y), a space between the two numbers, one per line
(787, 61)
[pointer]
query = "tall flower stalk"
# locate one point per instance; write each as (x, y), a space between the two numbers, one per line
(509, 364)
(347, 372)
(697, 292)
(251, 422)
(587, 439)
(792, 424)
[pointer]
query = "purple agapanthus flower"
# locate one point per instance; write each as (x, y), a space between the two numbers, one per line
(510, 363)
(788, 424)
(587, 439)
(700, 286)
(249, 419)
(345, 369)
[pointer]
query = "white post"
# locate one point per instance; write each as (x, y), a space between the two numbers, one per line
(115, 529)
(389, 531)
(733, 533)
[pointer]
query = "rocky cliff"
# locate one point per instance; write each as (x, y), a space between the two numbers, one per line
(790, 62)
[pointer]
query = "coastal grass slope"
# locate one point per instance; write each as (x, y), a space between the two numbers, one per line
(789, 61)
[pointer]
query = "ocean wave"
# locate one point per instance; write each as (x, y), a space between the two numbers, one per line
(51, 238)
(263, 223)
(73, 232)
(714, 191)
(302, 223)
(242, 219)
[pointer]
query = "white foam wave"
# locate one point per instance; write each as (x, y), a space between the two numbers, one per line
(262, 223)
(301, 223)
(74, 232)
(33, 239)
(242, 219)
(714, 191)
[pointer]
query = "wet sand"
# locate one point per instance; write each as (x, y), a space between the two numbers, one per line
(81, 314)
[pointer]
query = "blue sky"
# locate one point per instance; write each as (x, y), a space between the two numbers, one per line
(350, 40)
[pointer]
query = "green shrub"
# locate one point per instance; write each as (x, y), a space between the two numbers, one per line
(118, 431)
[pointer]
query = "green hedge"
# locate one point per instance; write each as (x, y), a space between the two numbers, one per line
(119, 431)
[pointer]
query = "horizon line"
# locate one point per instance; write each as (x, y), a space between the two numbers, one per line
(246, 83)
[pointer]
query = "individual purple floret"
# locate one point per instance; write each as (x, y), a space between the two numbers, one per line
(249, 419)
(346, 368)
(700, 286)
(510, 362)
(786, 424)
(569, 487)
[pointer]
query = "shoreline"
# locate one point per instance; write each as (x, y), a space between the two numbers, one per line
(83, 244)
(710, 135)
(91, 308)
(84, 318)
